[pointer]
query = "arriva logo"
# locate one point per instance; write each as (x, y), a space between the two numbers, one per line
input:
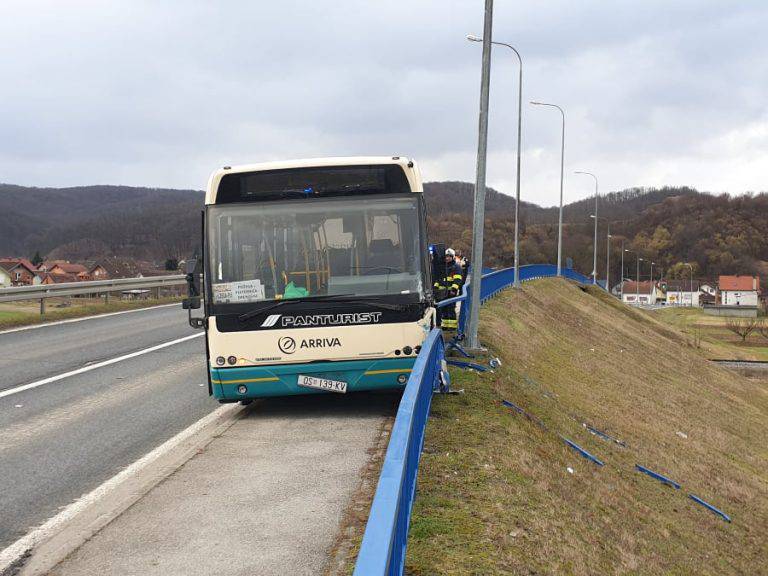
(287, 345)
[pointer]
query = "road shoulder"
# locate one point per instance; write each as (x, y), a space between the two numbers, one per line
(264, 496)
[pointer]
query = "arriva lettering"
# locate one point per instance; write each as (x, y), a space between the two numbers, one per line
(320, 343)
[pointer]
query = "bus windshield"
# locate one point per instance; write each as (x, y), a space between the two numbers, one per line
(304, 248)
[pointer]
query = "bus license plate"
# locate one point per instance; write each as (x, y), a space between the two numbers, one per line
(322, 384)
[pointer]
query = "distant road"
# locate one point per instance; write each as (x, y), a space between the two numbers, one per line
(62, 435)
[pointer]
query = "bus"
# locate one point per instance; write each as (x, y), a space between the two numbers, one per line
(316, 277)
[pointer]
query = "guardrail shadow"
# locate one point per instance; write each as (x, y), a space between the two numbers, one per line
(373, 404)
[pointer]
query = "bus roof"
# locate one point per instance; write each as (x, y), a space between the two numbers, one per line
(409, 166)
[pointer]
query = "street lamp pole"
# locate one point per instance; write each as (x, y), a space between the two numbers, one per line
(637, 284)
(479, 208)
(519, 151)
(608, 260)
(691, 284)
(594, 251)
(562, 164)
(622, 269)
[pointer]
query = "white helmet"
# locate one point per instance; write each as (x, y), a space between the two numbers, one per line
(450, 252)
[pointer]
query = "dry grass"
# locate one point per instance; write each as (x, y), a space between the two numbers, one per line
(712, 335)
(23, 314)
(494, 493)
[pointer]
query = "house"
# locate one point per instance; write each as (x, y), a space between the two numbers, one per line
(739, 290)
(48, 264)
(77, 270)
(683, 292)
(21, 271)
(97, 271)
(5, 277)
(639, 293)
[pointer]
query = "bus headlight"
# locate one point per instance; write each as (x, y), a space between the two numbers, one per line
(232, 360)
(402, 378)
(220, 361)
(242, 389)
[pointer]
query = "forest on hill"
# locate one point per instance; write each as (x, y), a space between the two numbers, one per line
(717, 234)
(670, 226)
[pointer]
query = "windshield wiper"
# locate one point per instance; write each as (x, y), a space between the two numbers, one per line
(255, 312)
(372, 300)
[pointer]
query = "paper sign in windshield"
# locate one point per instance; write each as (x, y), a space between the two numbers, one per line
(244, 291)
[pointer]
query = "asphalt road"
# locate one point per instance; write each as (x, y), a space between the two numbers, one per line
(62, 439)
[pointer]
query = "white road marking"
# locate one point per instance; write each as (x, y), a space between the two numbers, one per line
(70, 320)
(25, 543)
(90, 367)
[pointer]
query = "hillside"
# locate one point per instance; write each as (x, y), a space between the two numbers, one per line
(495, 493)
(719, 234)
(92, 221)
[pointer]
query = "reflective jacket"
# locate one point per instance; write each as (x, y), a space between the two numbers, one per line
(451, 283)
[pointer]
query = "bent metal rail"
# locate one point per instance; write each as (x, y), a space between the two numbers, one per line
(382, 551)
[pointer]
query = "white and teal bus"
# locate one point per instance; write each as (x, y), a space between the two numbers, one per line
(317, 276)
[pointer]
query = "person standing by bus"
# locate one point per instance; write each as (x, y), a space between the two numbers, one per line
(447, 287)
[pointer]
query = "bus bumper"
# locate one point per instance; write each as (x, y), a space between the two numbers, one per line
(280, 380)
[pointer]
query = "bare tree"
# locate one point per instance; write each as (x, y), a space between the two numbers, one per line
(742, 327)
(762, 327)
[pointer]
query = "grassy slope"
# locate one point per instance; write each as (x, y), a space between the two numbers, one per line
(715, 339)
(495, 496)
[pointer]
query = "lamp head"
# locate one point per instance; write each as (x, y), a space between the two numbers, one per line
(473, 38)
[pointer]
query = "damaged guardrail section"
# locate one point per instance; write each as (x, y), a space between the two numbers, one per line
(386, 534)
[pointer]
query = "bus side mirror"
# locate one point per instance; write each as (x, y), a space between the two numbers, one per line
(193, 279)
(191, 303)
(194, 300)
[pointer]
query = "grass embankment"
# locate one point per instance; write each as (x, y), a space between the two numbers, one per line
(23, 314)
(712, 335)
(495, 495)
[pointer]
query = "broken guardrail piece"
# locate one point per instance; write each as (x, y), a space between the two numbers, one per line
(468, 365)
(605, 436)
(660, 477)
(536, 420)
(709, 507)
(583, 452)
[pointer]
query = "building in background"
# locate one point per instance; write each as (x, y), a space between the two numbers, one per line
(683, 293)
(642, 293)
(22, 272)
(739, 290)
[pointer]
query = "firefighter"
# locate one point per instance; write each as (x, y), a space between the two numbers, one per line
(447, 287)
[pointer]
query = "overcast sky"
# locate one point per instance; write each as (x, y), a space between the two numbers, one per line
(160, 93)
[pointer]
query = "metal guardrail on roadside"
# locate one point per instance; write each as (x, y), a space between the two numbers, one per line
(386, 534)
(42, 291)
(382, 552)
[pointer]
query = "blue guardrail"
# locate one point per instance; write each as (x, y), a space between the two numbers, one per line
(382, 552)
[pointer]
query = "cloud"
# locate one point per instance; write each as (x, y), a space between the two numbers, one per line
(161, 93)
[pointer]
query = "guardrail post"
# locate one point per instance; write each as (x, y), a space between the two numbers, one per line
(106, 298)
(42, 306)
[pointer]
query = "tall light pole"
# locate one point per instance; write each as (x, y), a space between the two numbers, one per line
(608, 259)
(691, 267)
(637, 284)
(473, 38)
(562, 164)
(653, 289)
(479, 209)
(594, 251)
(622, 269)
